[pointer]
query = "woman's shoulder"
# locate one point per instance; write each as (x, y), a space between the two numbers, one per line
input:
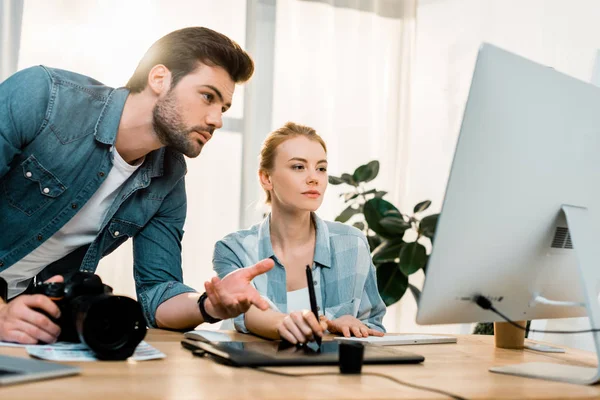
(343, 232)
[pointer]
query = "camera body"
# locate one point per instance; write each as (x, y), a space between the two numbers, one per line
(112, 326)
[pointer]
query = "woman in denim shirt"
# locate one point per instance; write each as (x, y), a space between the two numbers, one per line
(293, 174)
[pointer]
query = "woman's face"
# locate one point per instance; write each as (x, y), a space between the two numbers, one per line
(299, 176)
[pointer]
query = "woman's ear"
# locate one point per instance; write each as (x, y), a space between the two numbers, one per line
(159, 79)
(265, 180)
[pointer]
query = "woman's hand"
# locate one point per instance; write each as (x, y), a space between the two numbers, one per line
(348, 325)
(300, 327)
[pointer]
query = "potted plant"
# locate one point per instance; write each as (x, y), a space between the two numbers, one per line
(385, 226)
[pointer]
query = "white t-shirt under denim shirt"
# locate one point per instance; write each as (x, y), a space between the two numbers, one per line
(343, 272)
(81, 230)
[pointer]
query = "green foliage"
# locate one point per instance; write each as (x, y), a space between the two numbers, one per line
(385, 226)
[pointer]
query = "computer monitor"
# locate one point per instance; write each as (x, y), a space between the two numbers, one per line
(521, 216)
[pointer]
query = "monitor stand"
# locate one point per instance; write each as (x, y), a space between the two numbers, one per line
(584, 238)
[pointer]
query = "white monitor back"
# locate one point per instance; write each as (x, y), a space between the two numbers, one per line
(529, 143)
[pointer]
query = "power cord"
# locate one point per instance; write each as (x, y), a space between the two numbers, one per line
(486, 304)
(398, 381)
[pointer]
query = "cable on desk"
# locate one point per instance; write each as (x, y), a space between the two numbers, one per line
(391, 378)
(486, 304)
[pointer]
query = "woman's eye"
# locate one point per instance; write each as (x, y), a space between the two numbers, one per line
(298, 167)
(209, 97)
(323, 169)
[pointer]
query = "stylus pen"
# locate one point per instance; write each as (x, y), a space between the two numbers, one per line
(313, 299)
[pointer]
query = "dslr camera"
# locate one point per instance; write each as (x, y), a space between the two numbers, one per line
(112, 326)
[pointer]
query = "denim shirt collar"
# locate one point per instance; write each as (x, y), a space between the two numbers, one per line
(110, 117)
(322, 250)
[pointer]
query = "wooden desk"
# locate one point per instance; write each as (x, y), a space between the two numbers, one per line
(459, 368)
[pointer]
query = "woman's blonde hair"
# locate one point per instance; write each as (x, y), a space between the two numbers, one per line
(290, 130)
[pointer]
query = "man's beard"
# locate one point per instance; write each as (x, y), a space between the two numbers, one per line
(171, 130)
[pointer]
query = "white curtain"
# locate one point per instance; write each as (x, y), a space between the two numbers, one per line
(563, 35)
(105, 40)
(11, 13)
(344, 68)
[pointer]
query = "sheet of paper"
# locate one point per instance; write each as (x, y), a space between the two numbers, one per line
(63, 351)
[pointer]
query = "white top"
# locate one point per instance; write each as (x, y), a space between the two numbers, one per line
(80, 230)
(298, 300)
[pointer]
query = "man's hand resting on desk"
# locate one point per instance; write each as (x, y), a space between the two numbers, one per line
(348, 325)
(234, 294)
(22, 322)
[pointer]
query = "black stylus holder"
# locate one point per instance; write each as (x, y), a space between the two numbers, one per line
(351, 357)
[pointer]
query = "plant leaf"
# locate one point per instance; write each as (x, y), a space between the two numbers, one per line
(350, 196)
(347, 214)
(394, 225)
(374, 241)
(412, 258)
(349, 180)
(392, 283)
(422, 206)
(416, 293)
(366, 173)
(334, 180)
(359, 225)
(427, 225)
(374, 210)
(388, 251)
(380, 194)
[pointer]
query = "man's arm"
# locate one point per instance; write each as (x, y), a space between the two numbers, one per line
(227, 298)
(166, 301)
(24, 102)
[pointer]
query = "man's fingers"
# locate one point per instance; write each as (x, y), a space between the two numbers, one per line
(257, 300)
(41, 303)
(20, 337)
(356, 331)
(55, 278)
(259, 268)
(35, 332)
(38, 320)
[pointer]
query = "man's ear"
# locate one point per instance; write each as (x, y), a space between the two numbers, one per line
(265, 180)
(159, 79)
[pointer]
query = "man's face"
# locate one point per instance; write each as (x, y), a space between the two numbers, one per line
(188, 114)
(299, 175)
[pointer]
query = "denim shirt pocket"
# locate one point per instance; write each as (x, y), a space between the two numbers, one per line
(31, 187)
(117, 233)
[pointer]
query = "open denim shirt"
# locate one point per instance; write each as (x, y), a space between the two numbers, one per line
(56, 132)
(344, 275)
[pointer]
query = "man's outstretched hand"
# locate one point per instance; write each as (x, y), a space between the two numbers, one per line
(234, 294)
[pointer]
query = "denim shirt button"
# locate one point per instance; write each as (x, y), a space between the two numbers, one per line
(101, 174)
(315, 283)
(28, 174)
(40, 237)
(1, 263)
(46, 190)
(117, 233)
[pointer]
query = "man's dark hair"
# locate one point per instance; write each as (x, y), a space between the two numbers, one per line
(181, 52)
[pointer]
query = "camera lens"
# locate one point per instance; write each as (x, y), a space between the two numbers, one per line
(112, 326)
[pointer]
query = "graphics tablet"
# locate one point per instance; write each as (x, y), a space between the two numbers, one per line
(278, 353)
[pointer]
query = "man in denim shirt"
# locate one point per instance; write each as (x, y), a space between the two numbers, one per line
(84, 167)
